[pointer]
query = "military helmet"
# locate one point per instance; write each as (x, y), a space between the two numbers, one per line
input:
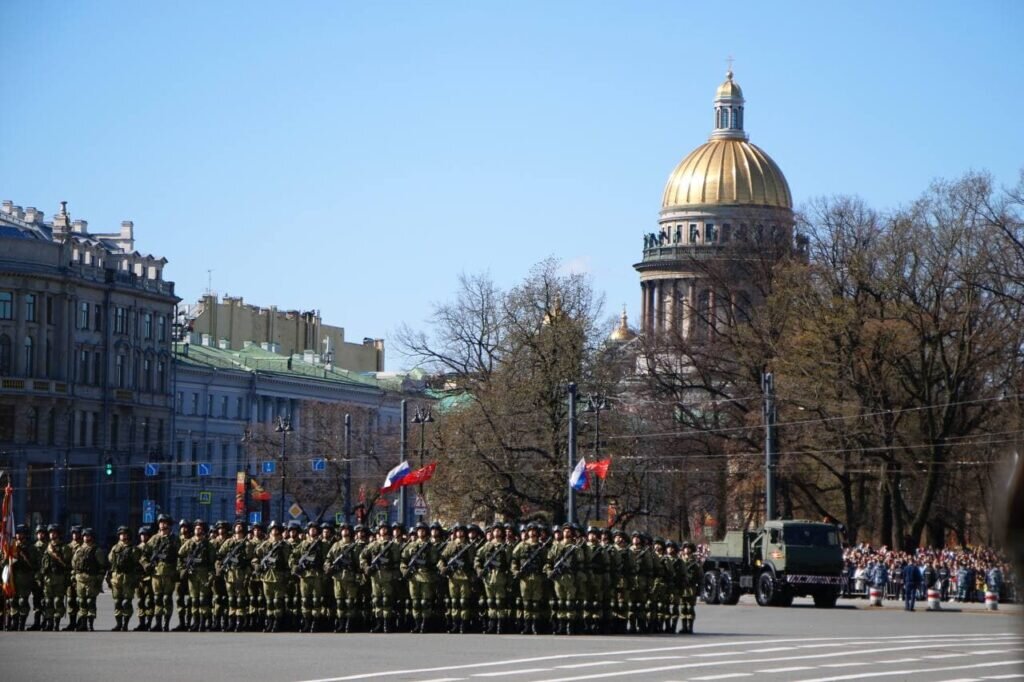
(21, 528)
(184, 522)
(457, 527)
(690, 546)
(200, 523)
(88, 532)
(240, 522)
(76, 529)
(164, 517)
(40, 528)
(145, 530)
(359, 528)
(221, 524)
(294, 525)
(659, 541)
(123, 529)
(568, 526)
(420, 525)
(312, 526)
(275, 524)
(473, 528)
(257, 526)
(327, 525)
(436, 525)
(397, 526)
(593, 529)
(617, 532)
(344, 524)
(53, 527)
(671, 544)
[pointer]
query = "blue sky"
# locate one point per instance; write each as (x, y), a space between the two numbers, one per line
(355, 157)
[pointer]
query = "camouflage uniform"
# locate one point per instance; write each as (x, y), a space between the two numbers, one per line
(160, 560)
(643, 572)
(564, 560)
(528, 559)
(307, 562)
(72, 586)
(599, 585)
(493, 564)
(123, 578)
(623, 569)
(56, 572)
(220, 593)
(25, 564)
(419, 569)
(691, 578)
(144, 588)
(39, 548)
(342, 566)
(234, 559)
(89, 565)
(198, 558)
(271, 564)
(380, 560)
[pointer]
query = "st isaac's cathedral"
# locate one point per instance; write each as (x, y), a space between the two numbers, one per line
(725, 203)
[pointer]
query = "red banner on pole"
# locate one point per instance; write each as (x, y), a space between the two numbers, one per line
(240, 495)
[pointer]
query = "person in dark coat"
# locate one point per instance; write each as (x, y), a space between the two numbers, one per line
(911, 583)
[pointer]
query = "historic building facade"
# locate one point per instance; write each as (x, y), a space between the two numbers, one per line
(85, 366)
(725, 202)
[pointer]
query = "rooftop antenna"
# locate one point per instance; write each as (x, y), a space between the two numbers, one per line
(209, 282)
(729, 60)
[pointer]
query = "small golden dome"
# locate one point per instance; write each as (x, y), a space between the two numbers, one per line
(727, 172)
(622, 332)
(729, 88)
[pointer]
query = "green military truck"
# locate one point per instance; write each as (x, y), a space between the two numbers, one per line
(779, 561)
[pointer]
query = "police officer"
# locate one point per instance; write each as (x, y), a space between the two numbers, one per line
(89, 565)
(123, 578)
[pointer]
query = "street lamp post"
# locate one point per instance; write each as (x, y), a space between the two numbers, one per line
(595, 405)
(284, 426)
(422, 417)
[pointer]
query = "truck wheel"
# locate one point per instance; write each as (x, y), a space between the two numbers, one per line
(825, 600)
(709, 590)
(728, 591)
(766, 590)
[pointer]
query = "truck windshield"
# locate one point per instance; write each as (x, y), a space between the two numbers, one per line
(810, 536)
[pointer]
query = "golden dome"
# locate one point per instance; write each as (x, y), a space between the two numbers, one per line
(727, 172)
(729, 88)
(622, 332)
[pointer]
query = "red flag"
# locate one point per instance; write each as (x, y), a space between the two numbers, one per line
(258, 493)
(420, 475)
(599, 469)
(7, 540)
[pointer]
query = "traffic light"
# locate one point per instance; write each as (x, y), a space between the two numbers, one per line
(109, 467)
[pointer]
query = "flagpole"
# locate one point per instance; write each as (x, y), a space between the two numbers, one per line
(403, 437)
(571, 492)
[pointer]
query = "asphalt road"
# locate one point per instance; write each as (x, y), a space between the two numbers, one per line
(732, 642)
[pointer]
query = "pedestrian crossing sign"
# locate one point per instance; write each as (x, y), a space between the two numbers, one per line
(205, 497)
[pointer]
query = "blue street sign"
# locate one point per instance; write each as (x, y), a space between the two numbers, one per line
(203, 469)
(255, 517)
(268, 467)
(148, 511)
(148, 517)
(152, 468)
(319, 464)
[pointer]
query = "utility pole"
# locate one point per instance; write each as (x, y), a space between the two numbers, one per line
(771, 444)
(571, 497)
(348, 468)
(404, 437)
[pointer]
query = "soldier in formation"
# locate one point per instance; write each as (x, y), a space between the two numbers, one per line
(534, 579)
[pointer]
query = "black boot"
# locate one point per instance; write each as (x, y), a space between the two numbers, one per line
(120, 624)
(92, 621)
(180, 627)
(141, 625)
(72, 623)
(55, 625)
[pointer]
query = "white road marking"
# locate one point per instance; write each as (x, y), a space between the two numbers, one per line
(513, 672)
(655, 658)
(715, 653)
(444, 679)
(1011, 676)
(947, 655)
(588, 665)
(771, 648)
(688, 647)
(848, 664)
(910, 671)
(791, 669)
(721, 677)
(900, 660)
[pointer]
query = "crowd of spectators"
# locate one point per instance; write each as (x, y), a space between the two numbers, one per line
(960, 575)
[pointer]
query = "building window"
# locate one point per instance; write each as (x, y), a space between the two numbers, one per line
(161, 328)
(97, 317)
(147, 377)
(145, 434)
(83, 315)
(160, 435)
(209, 404)
(5, 354)
(30, 357)
(119, 370)
(195, 404)
(694, 233)
(147, 326)
(48, 358)
(30, 308)
(238, 408)
(180, 403)
(83, 428)
(49, 310)
(120, 320)
(710, 234)
(83, 366)
(97, 368)
(226, 465)
(33, 425)
(115, 428)
(726, 232)
(6, 305)
(6, 423)
(161, 377)
(51, 428)
(224, 406)
(95, 429)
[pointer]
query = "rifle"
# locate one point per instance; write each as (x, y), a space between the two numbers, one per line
(456, 563)
(492, 558)
(527, 566)
(341, 562)
(194, 558)
(376, 560)
(231, 560)
(56, 557)
(561, 565)
(269, 559)
(304, 562)
(414, 562)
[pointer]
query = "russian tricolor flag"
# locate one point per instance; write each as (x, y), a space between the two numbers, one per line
(395, 476)
(579, 479)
